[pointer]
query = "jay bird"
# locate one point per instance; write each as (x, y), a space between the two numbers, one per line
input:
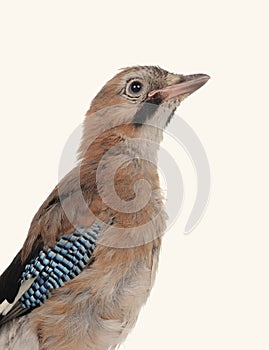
(90, 258)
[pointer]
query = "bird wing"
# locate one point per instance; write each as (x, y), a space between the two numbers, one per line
(25, 286)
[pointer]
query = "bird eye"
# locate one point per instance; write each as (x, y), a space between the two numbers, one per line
(134, 88)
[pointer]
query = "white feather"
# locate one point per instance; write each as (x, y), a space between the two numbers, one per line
(5, 307)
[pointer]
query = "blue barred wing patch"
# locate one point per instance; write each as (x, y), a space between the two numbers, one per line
(57, 265)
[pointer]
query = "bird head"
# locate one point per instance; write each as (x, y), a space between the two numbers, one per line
(134, 87)
(138, 97)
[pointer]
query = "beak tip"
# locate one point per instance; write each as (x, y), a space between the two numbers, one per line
(200, 76)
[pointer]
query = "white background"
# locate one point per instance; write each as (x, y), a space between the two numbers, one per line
(212, 286)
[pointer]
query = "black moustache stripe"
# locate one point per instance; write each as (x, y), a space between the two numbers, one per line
(147, 110)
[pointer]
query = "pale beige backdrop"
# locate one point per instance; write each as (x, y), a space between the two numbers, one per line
(212, 287)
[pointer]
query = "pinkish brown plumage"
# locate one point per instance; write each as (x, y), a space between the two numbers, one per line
(99, 209)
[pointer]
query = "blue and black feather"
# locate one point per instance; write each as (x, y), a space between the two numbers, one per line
(51, 268)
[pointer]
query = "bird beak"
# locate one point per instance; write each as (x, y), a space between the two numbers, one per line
(187, 85)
